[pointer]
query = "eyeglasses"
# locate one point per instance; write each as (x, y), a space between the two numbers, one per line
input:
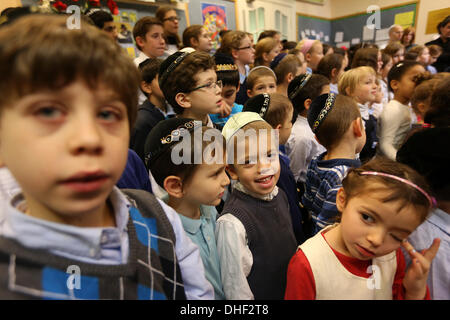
(172, 19)
(210, 85)
(244, 48)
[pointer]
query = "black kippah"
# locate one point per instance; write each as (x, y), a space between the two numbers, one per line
(259, 104)
(297, 84)
(164, 134)
(319, 109)
(277, 60)
(168, 65)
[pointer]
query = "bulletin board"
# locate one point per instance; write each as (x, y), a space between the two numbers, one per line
(352, 27)
(350, 30)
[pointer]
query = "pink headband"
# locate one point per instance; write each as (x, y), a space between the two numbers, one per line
(307, 45)
(374, 173)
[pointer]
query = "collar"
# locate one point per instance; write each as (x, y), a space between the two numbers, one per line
(192, 226)
(61, 238)
(337, 162)
(268, 197)
(364, 110)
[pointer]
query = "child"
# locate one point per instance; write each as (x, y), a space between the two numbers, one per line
(360, 258)
(332, 66)
(265, 51)
(313, 52)
(153, 110)
(420, 54)
(167, 15)
(104, 21)
(286, 70)
(196, 36)
(227, 72)
(277, 110)
(370, 57)
(396, 50)
(336, 122)
(301, 146)
(435, 52)
(301, 57)
(70, 111)
(361, 85)
(193, 189)
(254, 232)
(189, 83)
(148, 34)
(421, 99)
(261, 80)
(395, 120)
(421, 152)
(238, 45)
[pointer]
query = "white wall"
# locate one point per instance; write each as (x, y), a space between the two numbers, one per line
(308, 9)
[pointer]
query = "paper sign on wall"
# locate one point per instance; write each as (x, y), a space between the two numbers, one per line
(356, 40)
(339, 36)
(405, 19)
(368, 33)
(382, 34)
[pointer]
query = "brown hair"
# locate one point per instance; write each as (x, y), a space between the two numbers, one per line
(330, 62)
(355, 184)
(163, 166)
(337, 122)
(279, 108)
(289, 64)
(407, 31)
(392, 48)
(38, 52)
(160, 14)
(439, 112)
(255, 74)
(435, 49)
(190, 32)
(414, 52)
(182, 78)
(423, 92)
(143, 26)
(366, 57)
(263, 46)
(231, 40)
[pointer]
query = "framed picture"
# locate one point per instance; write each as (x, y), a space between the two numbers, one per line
(318, 2)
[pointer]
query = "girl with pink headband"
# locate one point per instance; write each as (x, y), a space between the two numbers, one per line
(313, 52)
(359, 258)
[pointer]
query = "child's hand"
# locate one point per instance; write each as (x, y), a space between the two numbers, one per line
(224, 109)
(415, 280)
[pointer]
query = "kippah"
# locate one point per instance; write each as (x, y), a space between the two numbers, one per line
(277, 60)
(144, 63)
(224, 62)
(169, 65)
(259, 104)
(319, 109)
(238, 121)
(297, 84)
(166, 133)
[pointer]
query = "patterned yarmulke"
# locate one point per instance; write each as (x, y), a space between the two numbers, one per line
(224, 62)
(238, 121)
(168, 65)
(319, 109)
(259, 104)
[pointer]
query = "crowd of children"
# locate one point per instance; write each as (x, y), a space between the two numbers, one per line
(259, 171)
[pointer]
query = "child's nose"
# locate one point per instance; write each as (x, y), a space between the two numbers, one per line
(85, 137)
(376, 236)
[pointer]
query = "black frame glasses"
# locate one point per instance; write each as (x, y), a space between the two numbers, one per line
(210, 86)
(245, 48)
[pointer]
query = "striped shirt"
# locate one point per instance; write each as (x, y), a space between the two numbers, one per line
(323, 180)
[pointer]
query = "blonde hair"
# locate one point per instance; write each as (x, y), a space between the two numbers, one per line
(351, 78)
(231, 40)
(258, 72)
(263, 46)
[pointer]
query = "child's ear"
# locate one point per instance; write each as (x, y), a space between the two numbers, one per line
(249, 93)
(183, 100)
(307, 57)
(234, 54)
(289, 77)
(278, 126)
(146, 87)
(194, 42)
(358, 127)
(232, 172)
(341, 199)
(422, 107)
(334, 72)
(307, 103)
(394, 84)
(140, 41)
(174, 186)
(348, 92)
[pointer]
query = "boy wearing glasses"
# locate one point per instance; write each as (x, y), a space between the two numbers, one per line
(189, 83)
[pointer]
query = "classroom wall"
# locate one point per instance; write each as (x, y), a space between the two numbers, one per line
(308, 9)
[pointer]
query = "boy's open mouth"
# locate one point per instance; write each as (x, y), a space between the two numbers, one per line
(86, 181)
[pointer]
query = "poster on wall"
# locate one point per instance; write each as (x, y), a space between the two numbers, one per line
(214, 19)
(124, 22)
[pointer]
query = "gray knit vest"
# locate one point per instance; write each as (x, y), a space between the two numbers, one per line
(270, 239)
(152, 270)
